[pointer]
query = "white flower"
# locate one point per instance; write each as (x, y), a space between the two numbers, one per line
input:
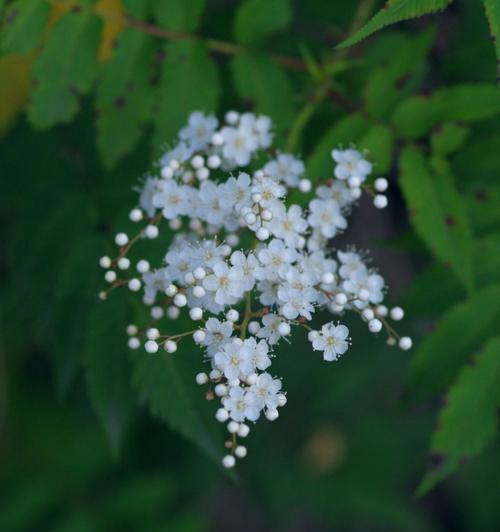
(241, 405)
(172, 198)
(217, 333)
(199, 130)
(212, 208)
(338, 191)
(225, 282)
(350, 163)
(181, 153)
(245, 267)
(285, 168)
(326, 216)
(146, 197)
(154, 282)
(351, 263)
(233, 360)
(265, 392)
(296, 302)
(257, 353)
(372, 283)
(270, 331)
(238, 145)
(236, 192)
(258, 127)
(288, 224)
(269, 189)
(276, 258)
(332, 340)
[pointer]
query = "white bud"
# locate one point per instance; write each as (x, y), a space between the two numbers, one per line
(312, 335)
(213, 161)
(355, 193)
(250, 218)
(228, 461)
(232, 240)
(124, 263)
(262, 233)
(189, 278)
(363, 294)
(253, 327)
(203, 174)
(220, 390)
(252, 378)
(105, 262)
(198, 292)
(243, 430)
(215, 374)
(240, 451)
(171, 290)
(354, 181)
(134, 285)
(391, 341)
(368, 314)
(226, 250)
(381, 184)
(121, 239)
(301, 242)
(232, 427)
(132, 329)
(232, 117)
(381, 310)
(174, 164)
(222, 415)
(151, 232)
(201, 378)
(197, 161)
(151, 346)
(397, 313)
(153, 333)
(305, 185)
(284, 328)
(157, 313)
(175, 224)
(380, 201)
(340, 299)
(328, 278)
(256, 197)
(187, 177)
(375, 325)
(232, 315)
(195, 224)
(167, 172)
(173, 312)
(199, 336)
(272, 414)
(196, 313)
(110, 276)
(180, 300)
(217, 139)
(405, 343)
(134, 343)
(282, 399)
(143, 266)
(135, 215)
(266, 215)
(199, 273)
(170, 346)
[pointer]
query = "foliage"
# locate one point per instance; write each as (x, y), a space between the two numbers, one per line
(91, 91)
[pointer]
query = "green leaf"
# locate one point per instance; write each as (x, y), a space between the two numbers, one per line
(482, 206)
(166, 382)
(62, 77)
(448, 138)
(395, 11)
(349, 129)
(415, 116)
(124, 96)
(189, 82)
(179, 15)
(468, 422)
(108, 372)
(492, 9)
(438, 214)
(23, 25)
(266, 85)
(461, 331)
(379, 142)
(256, 20)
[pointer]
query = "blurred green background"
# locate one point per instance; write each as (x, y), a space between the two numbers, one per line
(95, 438)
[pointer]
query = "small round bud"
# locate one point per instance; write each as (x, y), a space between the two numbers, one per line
(103, 295)
(284, 329)
(256, 197)
(340, 299)
(189, 278)
(157, 313)
(381, 184)
(253, 327)
(397, 313)
(250, 218)
(381, 310)
(197, 161)
(355, 192)
(252, 378)
(301, 243)
(171, 290)
(380, 201)
(174, 164)
(222, 415)
(368, 314)
(134, 285)
(203, 173)
(405, 343)
(198, 291)
(201, 378)
(110, 276)
(215, 374)
(142, 266)
(153, 333)
(354, 181)
(175, 224)
(199, 336)
(173, 312)
(151, 232)
(180, 300)
(363, 294)
(199, 273)
(328, 278)
(312, 335)
(132, 329)
(213, 161)
(220, 390)
(135, 215)
(262, 233)
(282, 399)
(226, 250)
(228, 461)
(232, 240)
(170, 346)
(391, 341)
(121, 239)
(124, 263)
(217, 139)
(375, 325)
(232, 117)
(243, 430)
(167, 172)
(195, 224)
(240, 451)
(151, 346)
(196, 313)
(266, 215)
(232, 427)
(232, 315)
(272, 414)
(305, 185)
(105, 262)
(134, 343)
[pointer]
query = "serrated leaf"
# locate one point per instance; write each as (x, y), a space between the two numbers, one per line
(460, 332)
(266, 85)
(468, 423)
(62, 77)
(256, 20)
(23, 25)
(399, 73)
(166, 383)
(189, 82)
(379, 142)
(438, 214)
(349, 129)
(107, 366)
(492, 9)
(448, 138)
(415, 116)
(179, 15)
(124, 96)
(395, 11)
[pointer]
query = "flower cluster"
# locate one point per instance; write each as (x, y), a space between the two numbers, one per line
(246, 264)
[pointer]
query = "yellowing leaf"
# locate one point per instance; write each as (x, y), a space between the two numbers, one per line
(112, 13)
(15, 84)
